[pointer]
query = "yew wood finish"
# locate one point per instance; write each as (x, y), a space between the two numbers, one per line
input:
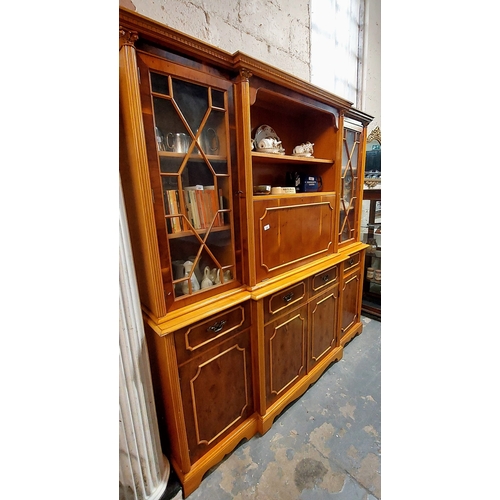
(284, 295)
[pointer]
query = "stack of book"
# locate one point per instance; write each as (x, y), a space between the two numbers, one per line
(175, 224)
(202, 205)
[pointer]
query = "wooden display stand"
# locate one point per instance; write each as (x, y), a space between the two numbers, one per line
(247, 299)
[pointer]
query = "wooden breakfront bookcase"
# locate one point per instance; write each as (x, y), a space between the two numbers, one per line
(273, 290)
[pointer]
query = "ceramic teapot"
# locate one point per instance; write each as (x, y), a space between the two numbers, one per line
(269, 143)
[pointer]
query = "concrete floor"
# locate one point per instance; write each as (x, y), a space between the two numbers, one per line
(326, 445)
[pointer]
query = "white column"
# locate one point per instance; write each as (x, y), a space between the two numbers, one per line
(144, 471)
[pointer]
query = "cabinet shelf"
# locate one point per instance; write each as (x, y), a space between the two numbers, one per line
(291, 195)
(266, 157)
(186, 234)
(192, 156)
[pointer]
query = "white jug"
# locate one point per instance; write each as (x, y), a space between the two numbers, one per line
(195, 285)
(206, 282)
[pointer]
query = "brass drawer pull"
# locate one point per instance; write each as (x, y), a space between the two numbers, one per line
(351, 261)
(217, 327)
(288, 297)
(326, 278)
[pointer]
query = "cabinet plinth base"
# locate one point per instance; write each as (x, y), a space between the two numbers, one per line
(356, 330)
(191, 480)
(266, 421)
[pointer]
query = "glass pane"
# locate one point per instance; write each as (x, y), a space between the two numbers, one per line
(159, 83)
(170, 165)
(168, 123)
(219, 167)
(192, 101)
(218, 99)
(212, 134)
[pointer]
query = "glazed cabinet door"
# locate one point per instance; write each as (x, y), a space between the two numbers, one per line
(187, 116)
(285, 352)
(216, 391)
(351, 182)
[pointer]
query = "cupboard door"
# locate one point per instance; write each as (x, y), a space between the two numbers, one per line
(187, 117)
(285, 352)
(216, 391)
(351, 306)
(323, 310)
(292, 231)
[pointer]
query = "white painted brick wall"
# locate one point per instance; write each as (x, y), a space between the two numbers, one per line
(274, 31)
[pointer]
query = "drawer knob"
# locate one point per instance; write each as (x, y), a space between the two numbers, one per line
(217, 327)
(351, 261)
(326, 278)
(288, 297)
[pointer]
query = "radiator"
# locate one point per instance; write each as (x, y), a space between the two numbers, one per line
(144, 470)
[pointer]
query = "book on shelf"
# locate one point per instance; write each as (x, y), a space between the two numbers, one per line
(189, 207)
(173, 208)
(202, 206)
(194, 200)
(213, 205)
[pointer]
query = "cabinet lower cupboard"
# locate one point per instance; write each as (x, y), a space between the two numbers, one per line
(351, 296)
(247, 297)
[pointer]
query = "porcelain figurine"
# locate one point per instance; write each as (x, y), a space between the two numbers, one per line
(304, 149)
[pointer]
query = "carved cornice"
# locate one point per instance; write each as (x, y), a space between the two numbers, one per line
(375, 135)
(361, 116)
(280, 77)
(166, 36)
(127, 37)
(239, 62)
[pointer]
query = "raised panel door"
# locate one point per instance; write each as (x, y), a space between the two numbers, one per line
(323, 310)
(351, 306)
(217, 394)
(292, 231)
(285, 352)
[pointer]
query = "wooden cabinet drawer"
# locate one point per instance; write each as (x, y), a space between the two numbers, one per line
(324, 279)
(195, 339)
(352, 261)
(285, 300)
